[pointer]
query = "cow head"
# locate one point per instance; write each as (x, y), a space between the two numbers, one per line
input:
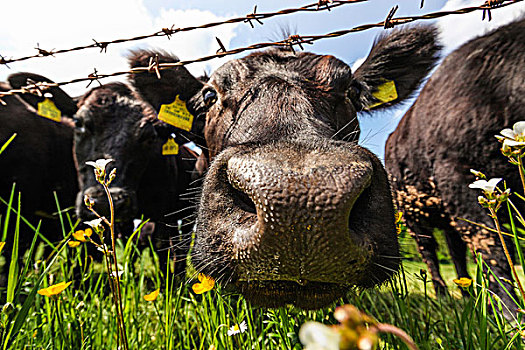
(293, 210)
(120, 122)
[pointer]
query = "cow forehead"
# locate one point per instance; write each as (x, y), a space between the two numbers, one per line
(303, 66)
(110, 104)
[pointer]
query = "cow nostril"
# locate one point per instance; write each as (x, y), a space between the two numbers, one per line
(243, 201)
(359, 209)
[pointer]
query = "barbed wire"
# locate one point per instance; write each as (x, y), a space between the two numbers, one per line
(320, 5)
(293, 40)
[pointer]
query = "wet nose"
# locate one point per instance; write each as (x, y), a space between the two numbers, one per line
(301, 210)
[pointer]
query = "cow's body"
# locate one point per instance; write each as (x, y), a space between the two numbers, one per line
(39, 160)
(476, 92)
(120, 122)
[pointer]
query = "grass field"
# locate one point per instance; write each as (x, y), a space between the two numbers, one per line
(63, 299)
(83, 316)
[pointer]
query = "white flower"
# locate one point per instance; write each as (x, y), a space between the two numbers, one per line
(317, 336)
(238, 328)
(114, 274)
(515, 136)
(95, 224)
(486, 186)
(100, 164)
(104, 249)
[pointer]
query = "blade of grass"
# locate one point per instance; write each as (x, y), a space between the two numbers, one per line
(4, 146)
(8, 213)
(27, 264)
(13, 264)
(11, 209)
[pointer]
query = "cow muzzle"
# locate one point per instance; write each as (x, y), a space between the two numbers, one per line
(298, 222)
(124, 203)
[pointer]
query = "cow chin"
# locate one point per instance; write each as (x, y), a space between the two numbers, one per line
(307, 295)
(300, 226)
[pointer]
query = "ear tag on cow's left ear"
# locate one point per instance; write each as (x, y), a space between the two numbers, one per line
(170, 148)
(385, 93)
(47, 109)
(176, 114)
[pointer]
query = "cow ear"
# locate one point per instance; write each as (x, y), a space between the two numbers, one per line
(396, 66)
(173, 82)
(62, 100)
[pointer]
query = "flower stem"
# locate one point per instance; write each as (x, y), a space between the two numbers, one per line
(114, 254)
(522, 174)
(61, 324)
(507, 254)
(388, 328)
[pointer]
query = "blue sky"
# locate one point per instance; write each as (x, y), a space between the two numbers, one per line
(57, 24)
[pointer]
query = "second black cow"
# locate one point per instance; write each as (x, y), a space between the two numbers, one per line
(476, 92)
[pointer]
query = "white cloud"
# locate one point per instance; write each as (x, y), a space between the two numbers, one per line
(59, 24)
(457, 29)
(195, 43)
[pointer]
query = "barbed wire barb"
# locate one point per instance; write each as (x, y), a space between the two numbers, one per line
(491, 4)
(35, 88)
(4, 61)
(221, 49)
(103, 46)
(324, 3)
(168, 32)
(42, 52)
(253, 17)
(94, 77)
(154, 65)
(297, 40)
(388, 20)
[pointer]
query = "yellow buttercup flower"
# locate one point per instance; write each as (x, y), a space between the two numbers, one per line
(2, 244)
(73, 244)
(398, 215)
(83, 235)
(152, 296)
(55, 289)
(463, 282)
(206, 284)
(398, 219)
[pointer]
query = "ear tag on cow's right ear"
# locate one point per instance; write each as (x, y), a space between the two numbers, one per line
(47, 109)
(176, 114)
(385, 93)
(170, 148)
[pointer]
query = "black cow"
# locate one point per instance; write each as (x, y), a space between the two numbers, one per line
(477, 91)
(120, 122)
(39, 160)
(292, 209)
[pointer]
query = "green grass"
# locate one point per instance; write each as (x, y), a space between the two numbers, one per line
(83, 316)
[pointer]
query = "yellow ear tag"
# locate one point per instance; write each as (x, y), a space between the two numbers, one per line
(47, 109)
(176, 114)
(385, 92)
(170, 148)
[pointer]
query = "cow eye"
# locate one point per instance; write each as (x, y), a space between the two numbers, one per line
(79, 125)
(209, 96)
